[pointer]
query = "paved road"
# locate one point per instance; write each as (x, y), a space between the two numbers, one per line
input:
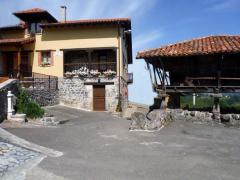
(99, 146)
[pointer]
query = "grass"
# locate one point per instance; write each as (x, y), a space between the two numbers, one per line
(228, 103)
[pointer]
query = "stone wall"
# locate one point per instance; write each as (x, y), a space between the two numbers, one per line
(9, 85)
(157, 119)
(44, 97)
(74, 93)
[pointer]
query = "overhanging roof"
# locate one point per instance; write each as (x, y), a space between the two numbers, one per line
(201, 46)
(125, 22)
(12, 27)
(34, 15)
(20, 41)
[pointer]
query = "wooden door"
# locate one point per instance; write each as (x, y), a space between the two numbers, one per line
(99, 98)
(25, 66)
(10, 64)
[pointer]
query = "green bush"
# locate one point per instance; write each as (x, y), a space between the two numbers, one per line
(25, 105)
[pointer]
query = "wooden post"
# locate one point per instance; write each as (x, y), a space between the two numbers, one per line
(150, 73)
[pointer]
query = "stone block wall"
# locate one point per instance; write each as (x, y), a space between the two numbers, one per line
(44, 97)
(10, 85)
(74, 93)
(111, 99)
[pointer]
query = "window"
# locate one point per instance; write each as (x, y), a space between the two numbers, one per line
(103, 62)
(46, 58)
(35, 28)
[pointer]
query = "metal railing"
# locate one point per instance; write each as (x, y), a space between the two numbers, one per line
(40, 81)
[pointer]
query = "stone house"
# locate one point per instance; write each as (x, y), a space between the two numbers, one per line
(89, 57)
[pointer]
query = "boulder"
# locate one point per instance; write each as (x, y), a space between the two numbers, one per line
(154, 121)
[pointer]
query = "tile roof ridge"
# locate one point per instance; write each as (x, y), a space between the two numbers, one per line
(189, 40)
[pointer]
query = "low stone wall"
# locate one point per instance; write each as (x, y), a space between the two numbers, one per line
(157, 119)
(9, 85)
(44, 97)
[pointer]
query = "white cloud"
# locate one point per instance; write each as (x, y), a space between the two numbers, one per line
(219, 5)
(112, 8)
(144, 40)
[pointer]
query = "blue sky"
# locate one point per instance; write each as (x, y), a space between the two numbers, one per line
(154, 22)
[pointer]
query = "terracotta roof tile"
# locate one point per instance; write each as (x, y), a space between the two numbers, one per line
(88, 22)
(200, 46)
(19, 41)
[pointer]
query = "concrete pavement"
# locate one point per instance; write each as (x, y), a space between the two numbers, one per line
(99, 146)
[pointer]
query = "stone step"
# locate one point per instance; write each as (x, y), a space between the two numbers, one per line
(17, 118)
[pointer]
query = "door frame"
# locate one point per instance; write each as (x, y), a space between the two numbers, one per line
(93, 87)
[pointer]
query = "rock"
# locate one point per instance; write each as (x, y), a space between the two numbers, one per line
(138, 120)
(160, 118)
(49, 121)
(193, 113)
(234, 122)
(235, 116)
(225, 118)
(155, 120)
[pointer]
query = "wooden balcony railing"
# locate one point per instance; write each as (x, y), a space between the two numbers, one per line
(101, 67)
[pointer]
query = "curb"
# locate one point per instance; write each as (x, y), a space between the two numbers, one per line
(5, 135)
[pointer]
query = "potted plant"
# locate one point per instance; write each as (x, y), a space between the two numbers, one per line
(95, 73)
(83, 72)
(45, 63)
(109, 73)
(68, 74)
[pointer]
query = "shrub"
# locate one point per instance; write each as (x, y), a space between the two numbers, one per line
(33, 110)
(25, 105)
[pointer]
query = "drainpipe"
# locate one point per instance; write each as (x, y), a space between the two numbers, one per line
(119, 105)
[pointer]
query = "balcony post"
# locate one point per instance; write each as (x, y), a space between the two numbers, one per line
(90, 59)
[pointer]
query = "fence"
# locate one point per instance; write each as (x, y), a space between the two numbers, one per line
(40, 81)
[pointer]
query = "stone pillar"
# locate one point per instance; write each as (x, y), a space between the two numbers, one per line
(174, 101)
(216, 106)
(194, 99)
(10, 110)
(164, 101)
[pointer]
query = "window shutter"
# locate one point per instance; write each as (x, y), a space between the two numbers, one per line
(52, 58)
(39, 58)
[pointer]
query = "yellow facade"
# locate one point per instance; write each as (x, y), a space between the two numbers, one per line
(59, 39)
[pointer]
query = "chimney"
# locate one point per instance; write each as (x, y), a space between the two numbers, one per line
(63, 13)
